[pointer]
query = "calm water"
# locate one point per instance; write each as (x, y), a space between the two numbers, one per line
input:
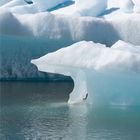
(39, 111)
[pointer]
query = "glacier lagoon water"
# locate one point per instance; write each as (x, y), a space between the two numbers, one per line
(40, 111)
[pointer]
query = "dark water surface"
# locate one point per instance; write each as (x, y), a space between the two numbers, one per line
(39, 111)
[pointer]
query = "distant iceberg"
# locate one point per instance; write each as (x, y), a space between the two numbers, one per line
(108, 75)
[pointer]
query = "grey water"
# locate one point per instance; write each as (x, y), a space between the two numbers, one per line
(39, 111)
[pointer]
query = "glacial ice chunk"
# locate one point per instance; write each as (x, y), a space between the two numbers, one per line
(110, 76)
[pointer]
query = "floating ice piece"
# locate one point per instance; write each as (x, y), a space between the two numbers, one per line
(107, 75)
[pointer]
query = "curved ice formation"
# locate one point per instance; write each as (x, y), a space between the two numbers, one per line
(108, 75)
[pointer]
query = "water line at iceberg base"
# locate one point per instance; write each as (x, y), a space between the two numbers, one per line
(104, 88)
(102, 76)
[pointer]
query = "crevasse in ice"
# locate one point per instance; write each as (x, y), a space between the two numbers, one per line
(107, 75)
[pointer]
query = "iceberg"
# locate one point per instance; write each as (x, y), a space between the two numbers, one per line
(105, 76)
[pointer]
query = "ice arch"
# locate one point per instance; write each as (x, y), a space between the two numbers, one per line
(110, 76)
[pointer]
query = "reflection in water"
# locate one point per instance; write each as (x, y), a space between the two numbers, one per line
(40, 112)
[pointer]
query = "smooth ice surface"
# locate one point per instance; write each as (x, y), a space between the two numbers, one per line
(108, 75)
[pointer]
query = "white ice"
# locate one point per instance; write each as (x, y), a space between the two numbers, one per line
(108, 75)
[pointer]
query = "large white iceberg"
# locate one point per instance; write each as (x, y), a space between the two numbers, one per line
(107, 75)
